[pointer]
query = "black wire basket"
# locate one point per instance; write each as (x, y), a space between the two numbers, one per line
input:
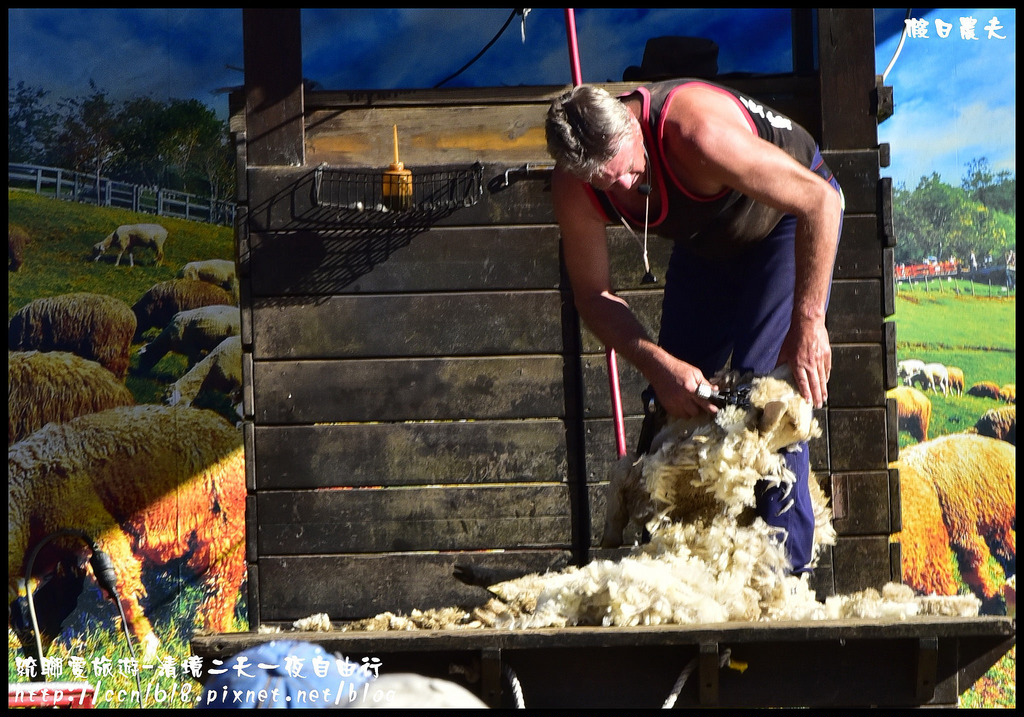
(433, 192)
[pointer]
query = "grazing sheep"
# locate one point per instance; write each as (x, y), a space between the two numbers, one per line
(907, 368)
(129, 236)
(956, 380)
(151, 485)
(1008, 393)
(924, 540)
(192, 333)
(984, 389)
(975, 480)
(219, 272)
(159, 305)
(94, 326)
(999, 423)
(17, 240)
(220, 371)
(54, 387)
(913, 411)
(938, 377)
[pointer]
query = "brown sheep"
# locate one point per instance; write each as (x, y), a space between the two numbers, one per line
(984, 389)
(159, 305)
(151, 485)
(94, 326)
(913, 411)
(17, 240)
(999, 423)
(975, 480)
(1008, 393)
(924, 540)
(956, 380)
(54, 387)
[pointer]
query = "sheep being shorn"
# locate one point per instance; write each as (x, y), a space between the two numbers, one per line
(193, 333)
(128, 237)
(94, 326)
(709, 558)
(54, 387)
(152, 485)
(162, 301)
(975, 481)
(913, 411)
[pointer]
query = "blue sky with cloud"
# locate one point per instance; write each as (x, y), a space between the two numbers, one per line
(955, 99)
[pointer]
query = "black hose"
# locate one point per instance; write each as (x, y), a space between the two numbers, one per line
(106, 577)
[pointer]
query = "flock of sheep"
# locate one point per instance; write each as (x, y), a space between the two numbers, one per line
(958, 491)
(151, 484)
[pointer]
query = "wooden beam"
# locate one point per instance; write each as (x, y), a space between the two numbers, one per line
(272, 40)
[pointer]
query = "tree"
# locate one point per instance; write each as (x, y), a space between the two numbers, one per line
(88, 140)
(996, 191)
(31, 124)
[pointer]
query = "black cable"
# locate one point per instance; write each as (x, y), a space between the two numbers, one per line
(487, 47)
(103, 570)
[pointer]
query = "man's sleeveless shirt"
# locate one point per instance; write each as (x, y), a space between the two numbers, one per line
(714, 226)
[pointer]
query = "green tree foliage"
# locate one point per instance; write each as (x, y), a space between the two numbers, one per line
(31, 123)
(177, 144)
(938, 220)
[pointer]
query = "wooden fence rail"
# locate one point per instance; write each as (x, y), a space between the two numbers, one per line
(81, 187)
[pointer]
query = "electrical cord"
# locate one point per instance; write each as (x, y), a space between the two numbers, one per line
(516, 11)
(106, 577)
(899, 47)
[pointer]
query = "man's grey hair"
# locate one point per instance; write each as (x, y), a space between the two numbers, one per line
(585, 128)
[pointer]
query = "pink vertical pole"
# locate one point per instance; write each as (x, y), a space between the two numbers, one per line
(613, 369)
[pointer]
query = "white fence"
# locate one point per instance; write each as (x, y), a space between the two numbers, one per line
(80, 187)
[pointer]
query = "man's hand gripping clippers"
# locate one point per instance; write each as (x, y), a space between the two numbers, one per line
(734, 396)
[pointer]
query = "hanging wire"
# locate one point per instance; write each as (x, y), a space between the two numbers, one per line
(516, 11)
(899, 48)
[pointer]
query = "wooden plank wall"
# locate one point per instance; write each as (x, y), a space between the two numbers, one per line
(419, 392)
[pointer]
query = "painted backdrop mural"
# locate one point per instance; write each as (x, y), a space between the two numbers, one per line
(124, 351)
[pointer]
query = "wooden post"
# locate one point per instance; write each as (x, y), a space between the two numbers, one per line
(273, 86)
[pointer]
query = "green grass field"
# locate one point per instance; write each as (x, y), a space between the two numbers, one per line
(58, 260)
(973, 328)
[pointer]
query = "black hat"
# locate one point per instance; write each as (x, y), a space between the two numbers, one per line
(675, 56)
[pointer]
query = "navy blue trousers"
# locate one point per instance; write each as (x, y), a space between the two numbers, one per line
(742, 307)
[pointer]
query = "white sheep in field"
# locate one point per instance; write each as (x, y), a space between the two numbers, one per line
(193, 333)
(219, 272)
(220, 371)
(908, 368)
(163, 300)
(938, 377)
(54, 387)
(130, 236)
(152, 486)
(94, 326)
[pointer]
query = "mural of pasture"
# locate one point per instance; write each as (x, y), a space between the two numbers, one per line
(956, 324)
(123, 393)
